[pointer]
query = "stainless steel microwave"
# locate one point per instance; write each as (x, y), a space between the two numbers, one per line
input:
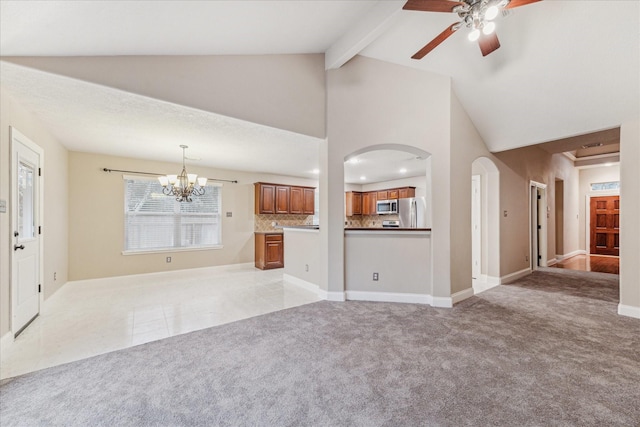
(385, 207)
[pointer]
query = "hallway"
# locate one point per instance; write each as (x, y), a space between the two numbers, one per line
(596, 263)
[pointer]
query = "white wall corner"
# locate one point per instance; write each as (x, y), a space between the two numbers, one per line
(287, 278)
(442, 302)
(462, 295)
(569, 255)
(480, 286)
(628, 310)
(331, 296)
(6, 342)
(515, 276)
(389, 297)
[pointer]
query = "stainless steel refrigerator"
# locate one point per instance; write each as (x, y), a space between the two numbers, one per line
(412, 212)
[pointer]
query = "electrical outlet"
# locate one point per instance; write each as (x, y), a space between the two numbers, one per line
(375, 277)
(55, 276)
(168, 259)
(229, 214)
(306, 267)
(526, 258)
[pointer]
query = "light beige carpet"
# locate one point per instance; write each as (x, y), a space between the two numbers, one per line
(547, 350)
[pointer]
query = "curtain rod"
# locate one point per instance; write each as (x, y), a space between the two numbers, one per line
(160, 174)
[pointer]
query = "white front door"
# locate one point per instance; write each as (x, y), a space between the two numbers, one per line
(25, 262)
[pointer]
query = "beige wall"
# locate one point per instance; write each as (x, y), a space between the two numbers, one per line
(587, 177)
(55, 227)
(402, 262)
(517, 168)
(629, 214)
(365, 109)
(302, 248)
(96, 231)
(282, 91)
(466, 146)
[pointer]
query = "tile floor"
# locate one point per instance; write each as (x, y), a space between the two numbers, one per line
(87, 318)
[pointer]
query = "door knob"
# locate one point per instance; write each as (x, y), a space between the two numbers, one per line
(16, 247)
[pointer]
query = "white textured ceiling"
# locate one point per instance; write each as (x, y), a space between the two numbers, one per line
(565, 68)
(383, 165)
(128, 27)
(98, 119)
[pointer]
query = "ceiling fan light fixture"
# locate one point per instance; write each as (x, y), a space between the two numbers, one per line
(491, 13)
(488, 28)
(474, 35)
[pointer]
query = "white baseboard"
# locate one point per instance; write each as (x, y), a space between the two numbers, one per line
(485, 283)
(388, 297)
(629, 310)
(570, 254)
(515, 276)
(6, 342)
(300, 282)
(168, 273)
(462, 295)
(551, 262)
(442, 302)
(331, 296)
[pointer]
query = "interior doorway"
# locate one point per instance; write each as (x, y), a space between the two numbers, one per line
(485, 224)
(26, 249)
(538, 222)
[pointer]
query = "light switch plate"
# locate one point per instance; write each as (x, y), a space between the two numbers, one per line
(3, 206)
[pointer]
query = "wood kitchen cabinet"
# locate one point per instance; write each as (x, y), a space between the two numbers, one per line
(382, 195)
(353, 203)
(284, 199)
(302, 201)
(369, 203)
(269, 250)
(405, 192)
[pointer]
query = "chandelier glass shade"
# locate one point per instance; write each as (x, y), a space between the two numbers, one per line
(185, 185)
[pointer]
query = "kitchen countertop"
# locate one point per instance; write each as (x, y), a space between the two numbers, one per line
(385, 229)
(269, 232)
(299, 227)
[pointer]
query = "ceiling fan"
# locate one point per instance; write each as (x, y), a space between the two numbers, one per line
(478, 15)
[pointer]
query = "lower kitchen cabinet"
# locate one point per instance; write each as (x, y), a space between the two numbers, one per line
(269, 250)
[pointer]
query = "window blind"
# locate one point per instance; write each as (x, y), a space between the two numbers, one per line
(154, 221)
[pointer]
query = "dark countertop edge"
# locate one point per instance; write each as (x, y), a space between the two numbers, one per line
(299, 227)
(386, 229)
(269, 232)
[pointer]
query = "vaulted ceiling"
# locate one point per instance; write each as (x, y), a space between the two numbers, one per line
(565, 68)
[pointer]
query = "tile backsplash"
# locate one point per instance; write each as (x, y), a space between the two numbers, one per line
(368, 221)
(264, 222)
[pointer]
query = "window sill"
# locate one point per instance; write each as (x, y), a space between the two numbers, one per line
(170, 250)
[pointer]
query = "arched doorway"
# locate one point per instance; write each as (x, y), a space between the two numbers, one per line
(485, 223)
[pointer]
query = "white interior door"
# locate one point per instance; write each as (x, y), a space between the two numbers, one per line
(25, 250)
(476, 230)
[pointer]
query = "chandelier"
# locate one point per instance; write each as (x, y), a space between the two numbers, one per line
(183, 186)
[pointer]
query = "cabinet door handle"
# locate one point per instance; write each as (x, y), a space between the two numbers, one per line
(16, 247)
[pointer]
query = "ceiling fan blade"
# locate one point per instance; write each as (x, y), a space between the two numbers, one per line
(432, 5)
(488, 43)
(435, 42)
(518, 3)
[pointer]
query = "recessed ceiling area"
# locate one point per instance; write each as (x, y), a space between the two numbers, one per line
(383, 165)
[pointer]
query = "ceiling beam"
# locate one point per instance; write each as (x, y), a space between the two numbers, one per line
(372, 25)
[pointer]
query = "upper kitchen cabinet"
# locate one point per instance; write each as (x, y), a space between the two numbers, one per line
(353, 203)
(302, 201)
(283, 199)
(369, 203)
(406, 192)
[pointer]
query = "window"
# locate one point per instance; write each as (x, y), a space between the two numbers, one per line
(601, 186)
(155, 222)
